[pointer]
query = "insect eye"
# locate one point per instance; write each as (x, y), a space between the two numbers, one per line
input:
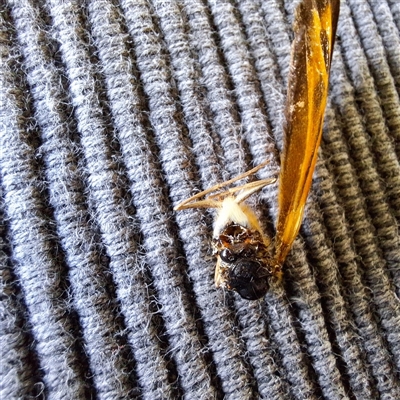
(227, 256)
(249, 279)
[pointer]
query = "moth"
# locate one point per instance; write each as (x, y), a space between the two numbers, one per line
(244, 262)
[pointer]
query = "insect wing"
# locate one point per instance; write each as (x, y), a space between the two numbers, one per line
(315, 29)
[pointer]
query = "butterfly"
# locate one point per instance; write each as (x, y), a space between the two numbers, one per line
(245, 263)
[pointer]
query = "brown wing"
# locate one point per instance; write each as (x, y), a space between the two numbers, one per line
(315, 28)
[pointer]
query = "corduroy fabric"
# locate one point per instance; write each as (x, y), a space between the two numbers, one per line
(114, 111)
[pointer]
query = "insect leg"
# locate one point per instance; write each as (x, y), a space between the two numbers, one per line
(193, 203)
(185, 203)
(250, 188)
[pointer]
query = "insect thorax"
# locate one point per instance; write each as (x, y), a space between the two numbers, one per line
(245, 264)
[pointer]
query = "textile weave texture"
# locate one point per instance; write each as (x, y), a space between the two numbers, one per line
(114, 111)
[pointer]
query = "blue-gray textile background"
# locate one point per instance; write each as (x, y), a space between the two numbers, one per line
(112, 112)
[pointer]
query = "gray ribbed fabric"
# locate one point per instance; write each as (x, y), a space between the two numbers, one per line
(112, 112)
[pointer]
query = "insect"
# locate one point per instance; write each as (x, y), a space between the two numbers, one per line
(245, 263)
